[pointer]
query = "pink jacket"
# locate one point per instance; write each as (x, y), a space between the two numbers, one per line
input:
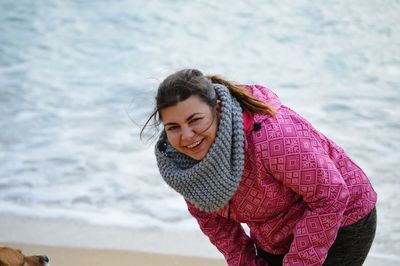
(298, 189)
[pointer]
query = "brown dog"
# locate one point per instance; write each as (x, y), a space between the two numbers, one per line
(14, 257)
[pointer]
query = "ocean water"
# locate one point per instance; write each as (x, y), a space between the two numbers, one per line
(77, 78)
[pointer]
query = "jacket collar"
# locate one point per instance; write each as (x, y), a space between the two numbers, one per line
(252, 122)
(247, 122)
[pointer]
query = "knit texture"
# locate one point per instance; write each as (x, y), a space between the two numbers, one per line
(208, 184)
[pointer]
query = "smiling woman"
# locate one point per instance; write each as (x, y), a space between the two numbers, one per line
(191, 126)
(237, 155)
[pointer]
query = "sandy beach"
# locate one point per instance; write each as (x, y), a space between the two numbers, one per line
(67, 256)
(72, 242)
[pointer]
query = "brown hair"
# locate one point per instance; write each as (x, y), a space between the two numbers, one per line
(248, 102)
(181, 85)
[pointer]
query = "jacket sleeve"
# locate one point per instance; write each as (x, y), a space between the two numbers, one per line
(297, 155)
(228, 237)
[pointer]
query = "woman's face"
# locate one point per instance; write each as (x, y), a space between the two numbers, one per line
(191, 126)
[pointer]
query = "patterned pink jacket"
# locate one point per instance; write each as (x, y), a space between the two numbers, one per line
(298, 189)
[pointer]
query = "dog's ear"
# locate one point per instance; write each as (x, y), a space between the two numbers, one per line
(4, 259)
(2, 263)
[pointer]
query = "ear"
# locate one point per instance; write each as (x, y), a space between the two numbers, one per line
(218, 108)
(3, 258)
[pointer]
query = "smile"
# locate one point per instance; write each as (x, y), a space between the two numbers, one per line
(194, 145)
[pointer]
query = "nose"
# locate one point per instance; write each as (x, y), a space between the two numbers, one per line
(187, 133)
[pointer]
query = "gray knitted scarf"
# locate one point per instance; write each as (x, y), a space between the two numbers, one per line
(208, 184)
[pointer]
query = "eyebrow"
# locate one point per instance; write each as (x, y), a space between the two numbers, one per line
(187, 119)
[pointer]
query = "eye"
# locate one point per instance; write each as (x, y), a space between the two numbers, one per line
(172, 128)
(194, 120)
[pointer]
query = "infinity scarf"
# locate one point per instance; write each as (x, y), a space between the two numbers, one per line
(210, 183)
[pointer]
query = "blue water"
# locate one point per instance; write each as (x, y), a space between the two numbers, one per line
(77, 77)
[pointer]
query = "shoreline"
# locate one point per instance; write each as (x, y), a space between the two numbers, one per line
(79, 234)
(80, 243)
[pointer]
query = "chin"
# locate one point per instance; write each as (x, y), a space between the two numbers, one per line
(199, 154)
(198, 157)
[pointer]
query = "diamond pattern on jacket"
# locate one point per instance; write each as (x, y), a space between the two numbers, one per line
(298, 188)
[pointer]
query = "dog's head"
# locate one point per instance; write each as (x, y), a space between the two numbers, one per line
(14, 257)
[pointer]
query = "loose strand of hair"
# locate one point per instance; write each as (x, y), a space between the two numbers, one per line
(155, 125)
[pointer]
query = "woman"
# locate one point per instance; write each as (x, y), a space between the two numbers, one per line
(237, 155)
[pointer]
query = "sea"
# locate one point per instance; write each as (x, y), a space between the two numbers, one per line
(78, 80)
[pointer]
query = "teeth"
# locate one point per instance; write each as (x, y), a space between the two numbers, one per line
(194, 144)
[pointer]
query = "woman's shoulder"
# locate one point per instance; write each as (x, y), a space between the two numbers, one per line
(264, 94)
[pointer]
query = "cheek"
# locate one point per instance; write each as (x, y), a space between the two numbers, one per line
(173, 140)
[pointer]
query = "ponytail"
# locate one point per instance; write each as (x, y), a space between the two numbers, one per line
(248, 102)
